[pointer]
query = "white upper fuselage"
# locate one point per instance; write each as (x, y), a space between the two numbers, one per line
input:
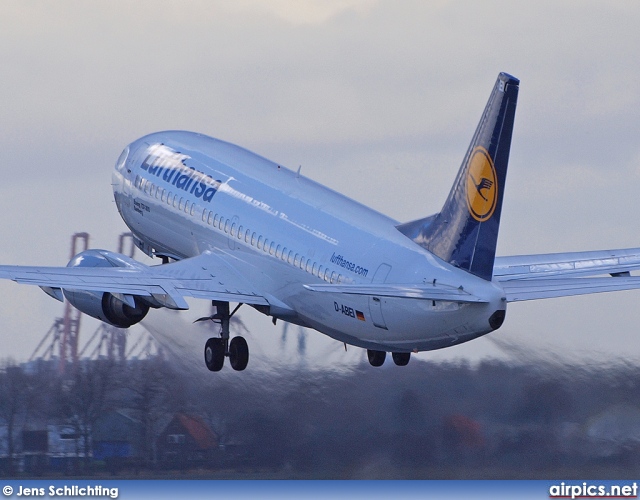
(280, 231)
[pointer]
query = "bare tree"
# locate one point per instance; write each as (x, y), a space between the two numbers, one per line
(13, 401)
(156, 391)
(84, 397)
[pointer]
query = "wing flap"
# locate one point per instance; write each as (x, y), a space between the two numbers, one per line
(425, 292)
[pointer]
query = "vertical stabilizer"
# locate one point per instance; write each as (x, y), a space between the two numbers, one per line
(465, 232)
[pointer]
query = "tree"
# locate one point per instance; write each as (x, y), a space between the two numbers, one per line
(85, 396)
(14, 395)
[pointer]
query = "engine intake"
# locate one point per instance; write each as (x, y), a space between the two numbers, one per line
(104, 305)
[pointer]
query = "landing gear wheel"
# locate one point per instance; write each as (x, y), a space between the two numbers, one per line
(376, 358)
(401, 358)
(238, 353)
(214, 354)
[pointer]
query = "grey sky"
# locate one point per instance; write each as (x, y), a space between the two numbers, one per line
(376, 99)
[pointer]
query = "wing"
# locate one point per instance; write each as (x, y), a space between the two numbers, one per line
(207, 276)
(528, 277)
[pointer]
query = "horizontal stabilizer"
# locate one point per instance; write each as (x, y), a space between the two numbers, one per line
(566, 264)
(531, 289)
(425, 292)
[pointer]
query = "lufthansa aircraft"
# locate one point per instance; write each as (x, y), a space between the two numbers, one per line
(233, 227)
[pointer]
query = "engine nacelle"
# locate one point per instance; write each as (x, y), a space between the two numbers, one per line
(104, 305)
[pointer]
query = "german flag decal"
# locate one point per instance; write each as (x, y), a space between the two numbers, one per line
(360, 315)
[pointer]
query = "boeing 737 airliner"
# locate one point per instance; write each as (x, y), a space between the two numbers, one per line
(233, 227)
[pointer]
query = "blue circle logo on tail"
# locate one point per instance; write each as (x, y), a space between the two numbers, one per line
(482, 185)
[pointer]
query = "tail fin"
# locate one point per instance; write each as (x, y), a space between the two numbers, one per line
(465, 232)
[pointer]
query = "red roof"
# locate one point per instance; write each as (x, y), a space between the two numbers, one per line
(199, 431)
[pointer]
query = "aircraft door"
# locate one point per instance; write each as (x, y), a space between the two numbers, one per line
(375, 303)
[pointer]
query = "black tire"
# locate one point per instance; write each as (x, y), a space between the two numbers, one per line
(238, 353)
(401, 358)
(376, 358)
(214, 354)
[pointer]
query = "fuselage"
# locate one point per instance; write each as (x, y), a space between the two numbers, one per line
(182, 194)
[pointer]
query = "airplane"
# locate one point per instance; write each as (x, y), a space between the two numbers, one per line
(233, 227)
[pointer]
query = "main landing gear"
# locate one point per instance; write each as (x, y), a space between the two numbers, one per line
(216, 349)
(376, 358)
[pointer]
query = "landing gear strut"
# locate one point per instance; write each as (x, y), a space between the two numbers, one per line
(216, 349)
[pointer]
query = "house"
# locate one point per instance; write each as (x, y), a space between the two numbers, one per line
(50, 447)
(117, 435)
(186, 440)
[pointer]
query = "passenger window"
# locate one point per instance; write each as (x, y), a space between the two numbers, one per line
(314, 268)
(327, 275)
(253, 239)
(260, 243)
(233, 229)
(210, 218)
(333, 277)
(193, 208)
(296, 260)
(226, 225)
(164, 196)
(216, 220)
(272, 248)
(175, 201)
(266, 245)
(279, 251)
(247, 236)
(136, 183)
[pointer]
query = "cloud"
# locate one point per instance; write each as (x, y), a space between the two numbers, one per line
(303, 12)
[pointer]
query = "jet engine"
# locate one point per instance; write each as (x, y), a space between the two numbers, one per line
(118, 310)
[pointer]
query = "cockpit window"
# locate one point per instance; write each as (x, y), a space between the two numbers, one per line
(123, 159)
